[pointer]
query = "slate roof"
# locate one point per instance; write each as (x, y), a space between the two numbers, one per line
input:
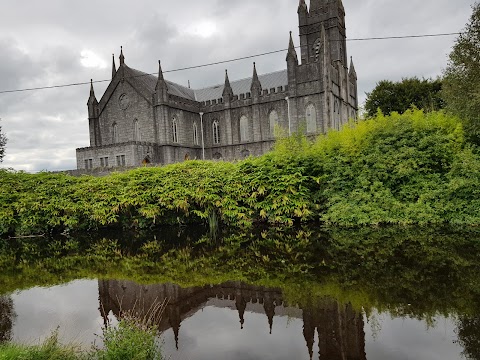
(150, 81)
(268, 81)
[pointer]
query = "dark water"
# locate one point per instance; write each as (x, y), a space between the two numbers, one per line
(382, 294)
(232, 321)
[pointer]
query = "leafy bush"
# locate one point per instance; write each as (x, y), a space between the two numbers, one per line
(397, 169)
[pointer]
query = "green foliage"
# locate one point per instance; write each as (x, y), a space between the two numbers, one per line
(131, 340)
(389, 96)
(49, 350)
(3, 142)
(462, 77)
(396, 169)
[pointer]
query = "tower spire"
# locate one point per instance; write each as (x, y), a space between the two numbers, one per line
(122, 58)
(114, 67)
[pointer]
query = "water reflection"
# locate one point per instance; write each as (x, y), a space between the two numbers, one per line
(7, 317)
(469, 336)
(335, 329)
(409, 279)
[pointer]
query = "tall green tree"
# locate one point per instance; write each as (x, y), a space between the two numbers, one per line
(3, 142)
(462, 77)
(389, 96)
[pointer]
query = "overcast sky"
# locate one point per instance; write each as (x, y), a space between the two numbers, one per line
(53, 42)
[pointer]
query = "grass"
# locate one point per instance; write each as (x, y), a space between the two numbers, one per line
(129, 340)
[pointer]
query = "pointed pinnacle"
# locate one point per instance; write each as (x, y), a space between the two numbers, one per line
(227, 90)
(122, 58)
(256, 86)
(227, 80)
(114, 67)
(255, 75)
(291, 49)
(291, 45)
(352, 71)
(92, 92)
(160, 71)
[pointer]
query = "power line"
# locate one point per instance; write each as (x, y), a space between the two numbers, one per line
(227, 61)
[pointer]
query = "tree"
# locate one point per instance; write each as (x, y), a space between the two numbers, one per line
(3, 142)
(400, 96)
(462, 77)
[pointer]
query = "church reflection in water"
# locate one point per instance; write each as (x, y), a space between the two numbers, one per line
(335, 331)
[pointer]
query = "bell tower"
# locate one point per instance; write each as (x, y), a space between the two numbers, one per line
(331, 14)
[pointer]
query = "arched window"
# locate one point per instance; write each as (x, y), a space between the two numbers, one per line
(216, 132)
(195, 134)
(115, 133)
(273, 121)
(244, 133)
(136, 130)
(175, 130)
(311, 115)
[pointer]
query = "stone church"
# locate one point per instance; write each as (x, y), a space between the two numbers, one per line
(143, 118)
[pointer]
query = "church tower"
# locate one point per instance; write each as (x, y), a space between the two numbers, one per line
(331, 14)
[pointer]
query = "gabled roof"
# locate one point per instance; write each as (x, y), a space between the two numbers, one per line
(146, 83)
(150, 81)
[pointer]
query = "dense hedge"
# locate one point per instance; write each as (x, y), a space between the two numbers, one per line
(402, 169)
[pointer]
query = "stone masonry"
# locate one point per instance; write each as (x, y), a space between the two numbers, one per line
(144, 119)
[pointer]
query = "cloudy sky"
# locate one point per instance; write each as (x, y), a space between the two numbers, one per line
(53, 42)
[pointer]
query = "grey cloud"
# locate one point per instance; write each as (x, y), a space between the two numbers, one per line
(41, 45)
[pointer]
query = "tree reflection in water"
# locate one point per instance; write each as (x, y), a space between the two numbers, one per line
(7, 316)
(469, 336)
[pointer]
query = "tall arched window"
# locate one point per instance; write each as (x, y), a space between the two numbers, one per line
(311, 115)
(115, 132)
(216, 132)
(136, 130)
(195, 133)
(244, 133)
(273, 121)
(175, 130)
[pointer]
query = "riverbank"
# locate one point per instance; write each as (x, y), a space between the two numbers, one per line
(413, 168)
(130, 339)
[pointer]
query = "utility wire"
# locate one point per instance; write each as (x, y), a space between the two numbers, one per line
(225, 62)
